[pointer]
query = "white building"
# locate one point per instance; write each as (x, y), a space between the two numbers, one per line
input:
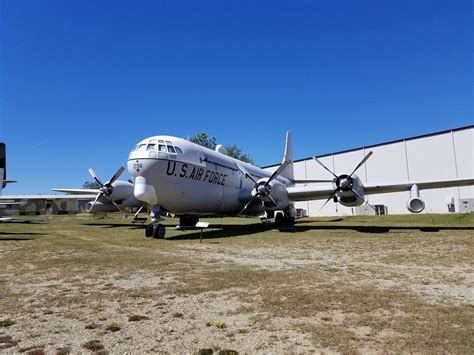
(436, 156)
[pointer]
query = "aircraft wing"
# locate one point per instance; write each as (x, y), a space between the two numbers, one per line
(78, 191)
(304, 193)
(422, 185)
(5, 199)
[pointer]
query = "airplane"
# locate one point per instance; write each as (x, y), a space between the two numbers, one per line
(190, 181)
(9, 203)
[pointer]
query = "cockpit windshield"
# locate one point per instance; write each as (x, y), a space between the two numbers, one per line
(152, 147)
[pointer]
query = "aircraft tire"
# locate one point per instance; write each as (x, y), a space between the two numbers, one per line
(149, 230)
(159, 231)
(289, 222)
(279, 220)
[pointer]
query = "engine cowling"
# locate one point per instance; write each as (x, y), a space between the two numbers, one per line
(350, 190)
(279, 193)
(415, 204)
(122, 194)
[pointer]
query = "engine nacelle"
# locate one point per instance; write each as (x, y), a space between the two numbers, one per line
(346, 196)
(280, 194)
(122, 194)
(415, 204)
(100, 207)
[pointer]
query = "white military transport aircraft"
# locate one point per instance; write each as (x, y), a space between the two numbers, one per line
(189, 181)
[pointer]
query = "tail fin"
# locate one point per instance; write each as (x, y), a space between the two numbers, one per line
(3, 168)
(289, 172)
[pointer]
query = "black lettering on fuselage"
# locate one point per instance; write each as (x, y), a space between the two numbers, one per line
(199, 174)
(183, 170)
(170, 171)
(193, 173)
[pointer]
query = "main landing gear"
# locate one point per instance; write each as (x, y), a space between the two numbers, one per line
(155, 229)
(284, 220)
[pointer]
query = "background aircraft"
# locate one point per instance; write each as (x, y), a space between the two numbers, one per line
(191, 181)
(12, 204)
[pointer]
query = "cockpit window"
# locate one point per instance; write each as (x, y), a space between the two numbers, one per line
(140, 146)
(161, 141)
(178, 150)
(171, 149)
(150, 147)
(162, 148)
(169, 143)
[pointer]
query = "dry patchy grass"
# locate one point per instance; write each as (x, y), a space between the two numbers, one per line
(352, 285)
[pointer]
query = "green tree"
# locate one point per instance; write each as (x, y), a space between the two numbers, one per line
(91, 185)
(210, 142)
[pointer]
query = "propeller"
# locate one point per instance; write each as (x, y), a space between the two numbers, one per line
(107, 188)
(344, 182)
(262, 189)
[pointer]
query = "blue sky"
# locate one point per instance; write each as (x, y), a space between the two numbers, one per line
(83, 81)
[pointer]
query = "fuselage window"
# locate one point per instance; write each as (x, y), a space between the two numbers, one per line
(171, 149)
(162, 148)
(150, 147)
(178, 150)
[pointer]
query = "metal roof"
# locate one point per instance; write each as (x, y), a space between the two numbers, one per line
(380, 144)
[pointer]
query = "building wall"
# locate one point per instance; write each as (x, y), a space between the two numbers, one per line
(439, 156)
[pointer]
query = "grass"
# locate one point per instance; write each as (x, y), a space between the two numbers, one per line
(352, 284)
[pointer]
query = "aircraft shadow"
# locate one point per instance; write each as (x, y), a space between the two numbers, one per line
(224, 231)
(22, 233)
(11, 236)
(227, 230)
(381, 229)
(117, 225)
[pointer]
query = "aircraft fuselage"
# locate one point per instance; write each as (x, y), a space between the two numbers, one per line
(186, 178)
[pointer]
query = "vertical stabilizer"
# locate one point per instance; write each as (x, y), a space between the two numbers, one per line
(289, 172)
(3, 164)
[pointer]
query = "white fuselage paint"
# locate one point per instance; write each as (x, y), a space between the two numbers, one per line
(196, 181)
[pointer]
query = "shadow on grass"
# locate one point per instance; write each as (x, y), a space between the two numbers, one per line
(225, 231)
(236, 230)
(12, 236)
(116, 225)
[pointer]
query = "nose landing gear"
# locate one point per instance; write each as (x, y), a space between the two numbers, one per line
(155, 229)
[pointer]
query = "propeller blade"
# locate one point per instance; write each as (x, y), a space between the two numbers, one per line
(118, 207)
(359, 196)
(245, 172)
(248, 204)
(362, 162)
(96, 198)
(113, 202)
(325, 167)
(278, 171)
(116, 175)
(330, 198)
(271, 198)
(94, 175)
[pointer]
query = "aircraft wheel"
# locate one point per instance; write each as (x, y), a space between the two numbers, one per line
(279, 220)
(159, 231)
(289, 222)
(149, 230)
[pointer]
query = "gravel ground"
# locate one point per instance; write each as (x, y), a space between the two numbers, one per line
(129, 309)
